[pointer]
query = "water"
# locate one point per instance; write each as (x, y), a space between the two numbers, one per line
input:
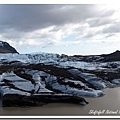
(106, 105)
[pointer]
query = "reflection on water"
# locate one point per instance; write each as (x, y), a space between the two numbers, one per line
(110, 102)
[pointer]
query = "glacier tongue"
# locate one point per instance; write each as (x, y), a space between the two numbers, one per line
(31, 58)
(48, 75)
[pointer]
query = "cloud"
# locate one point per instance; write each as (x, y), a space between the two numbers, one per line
(32, 17)
(112, 28)
(98, 21)
(51, 25)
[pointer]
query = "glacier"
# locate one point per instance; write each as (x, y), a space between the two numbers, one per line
(45, 77)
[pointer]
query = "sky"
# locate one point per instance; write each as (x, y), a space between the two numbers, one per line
(74, 29)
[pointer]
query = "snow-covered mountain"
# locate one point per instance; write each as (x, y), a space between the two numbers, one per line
(6, 48)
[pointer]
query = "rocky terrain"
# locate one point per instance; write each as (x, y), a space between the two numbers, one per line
(41, 78)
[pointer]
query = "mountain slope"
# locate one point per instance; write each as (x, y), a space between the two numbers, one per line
(115, 56)
(6, 48)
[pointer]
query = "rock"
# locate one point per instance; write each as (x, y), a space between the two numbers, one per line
(6, 48)
(10, 100)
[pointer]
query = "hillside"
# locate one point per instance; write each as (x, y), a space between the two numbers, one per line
(6, 48)
(115, 56)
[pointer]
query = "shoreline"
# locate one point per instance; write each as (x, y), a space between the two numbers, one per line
(105, 103)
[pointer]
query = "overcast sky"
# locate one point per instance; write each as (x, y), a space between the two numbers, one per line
(68, 29)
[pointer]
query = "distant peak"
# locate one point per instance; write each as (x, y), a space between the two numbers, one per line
(117, 51)
(6, 48)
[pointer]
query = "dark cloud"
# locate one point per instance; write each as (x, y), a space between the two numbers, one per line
(18, 20)
(32, 17)
(23, 22)
(23, 17)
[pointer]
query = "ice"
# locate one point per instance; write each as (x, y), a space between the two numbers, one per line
(51, 80)
(6, 90)
(20, 84)
(74, 91)
(116, 81)
(75, 82)
(31, 58)
(82, 65)
(90, 78)
(49, 58)
(12, 77)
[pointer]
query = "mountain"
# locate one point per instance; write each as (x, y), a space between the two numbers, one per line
(115, 56)
(6, 48)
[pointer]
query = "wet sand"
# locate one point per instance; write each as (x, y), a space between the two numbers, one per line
(106, 105)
